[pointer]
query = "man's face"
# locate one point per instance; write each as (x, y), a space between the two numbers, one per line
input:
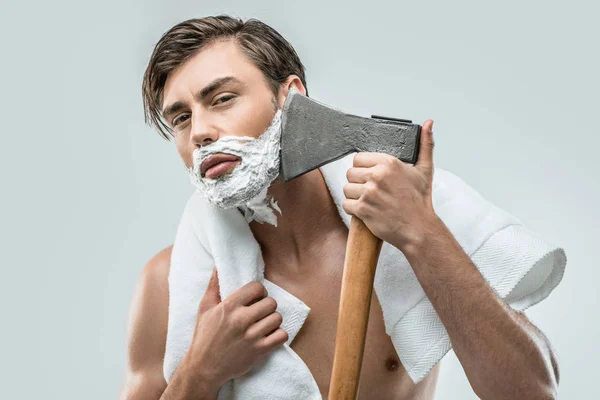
(235, 99)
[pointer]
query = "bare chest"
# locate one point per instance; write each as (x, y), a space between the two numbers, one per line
(382, 374)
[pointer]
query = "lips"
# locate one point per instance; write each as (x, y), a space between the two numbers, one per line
(214, 160)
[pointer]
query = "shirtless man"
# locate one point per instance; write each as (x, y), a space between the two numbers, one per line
(502, 353)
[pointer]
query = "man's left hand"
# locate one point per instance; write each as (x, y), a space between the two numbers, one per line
(392, 198)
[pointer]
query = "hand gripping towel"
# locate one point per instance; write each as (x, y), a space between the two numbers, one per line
(521, 266)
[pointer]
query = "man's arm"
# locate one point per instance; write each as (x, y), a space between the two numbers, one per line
(147, 331)
(503, 354)
(546, 343)
(146, 342)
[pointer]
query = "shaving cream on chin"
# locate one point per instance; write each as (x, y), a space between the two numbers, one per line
(246, 186)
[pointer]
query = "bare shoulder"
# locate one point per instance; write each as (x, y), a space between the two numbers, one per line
(147, 330)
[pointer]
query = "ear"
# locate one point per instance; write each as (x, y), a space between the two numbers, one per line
(292, 81)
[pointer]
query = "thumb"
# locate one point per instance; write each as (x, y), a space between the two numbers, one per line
(211, 297)
(425, 160)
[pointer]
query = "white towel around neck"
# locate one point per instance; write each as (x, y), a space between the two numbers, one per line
(522, 267)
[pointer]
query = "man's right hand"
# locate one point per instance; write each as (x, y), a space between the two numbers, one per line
(232, 335)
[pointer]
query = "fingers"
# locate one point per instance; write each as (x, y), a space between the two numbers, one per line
(358, 175)
(262, 308)
(266, 325)
(273, 340)
(353, 190)
(248, 293)
(367, 160)
(351, 206)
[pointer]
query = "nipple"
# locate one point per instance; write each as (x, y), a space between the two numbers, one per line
(392, 363)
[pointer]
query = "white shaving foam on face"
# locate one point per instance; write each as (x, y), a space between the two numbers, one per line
(246, 186)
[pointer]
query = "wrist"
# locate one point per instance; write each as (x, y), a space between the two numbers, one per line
(417, 241)
(204, 382)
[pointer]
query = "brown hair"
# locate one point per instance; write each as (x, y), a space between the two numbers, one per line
(263, 45)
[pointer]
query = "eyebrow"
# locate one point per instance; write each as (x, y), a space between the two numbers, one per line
(201, 95)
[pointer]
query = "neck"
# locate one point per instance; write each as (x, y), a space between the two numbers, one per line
(309, 220)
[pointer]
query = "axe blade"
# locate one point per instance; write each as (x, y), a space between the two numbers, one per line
(314, 134)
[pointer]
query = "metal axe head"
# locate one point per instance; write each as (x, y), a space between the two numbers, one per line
(314, 134)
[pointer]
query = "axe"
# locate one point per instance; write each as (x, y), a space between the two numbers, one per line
(312, 135)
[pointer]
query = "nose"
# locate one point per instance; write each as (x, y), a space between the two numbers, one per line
(203, 131)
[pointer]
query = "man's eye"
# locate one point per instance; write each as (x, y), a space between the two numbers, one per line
(178, 119)
(224, 98)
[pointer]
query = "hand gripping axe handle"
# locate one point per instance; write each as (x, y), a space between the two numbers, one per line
(312, 135)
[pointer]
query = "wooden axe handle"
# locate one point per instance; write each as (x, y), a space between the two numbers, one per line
(362, 253)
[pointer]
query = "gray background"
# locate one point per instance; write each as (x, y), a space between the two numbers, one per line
(89, 193)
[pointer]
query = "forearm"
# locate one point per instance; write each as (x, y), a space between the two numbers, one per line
(188, 383)
(502, 355)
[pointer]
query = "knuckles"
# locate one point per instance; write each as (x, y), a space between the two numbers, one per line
(378, 175)
(239, 322)
(227, 306)
(359, 208)
(391, 161)
(370, 190)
